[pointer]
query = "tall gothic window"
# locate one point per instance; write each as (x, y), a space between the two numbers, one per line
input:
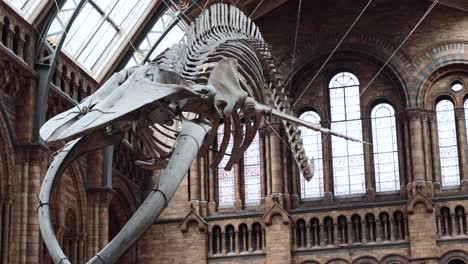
(225, 178)
(385, 148)
(312, 141)
(447, 143)
(252, 172)
(348, 156)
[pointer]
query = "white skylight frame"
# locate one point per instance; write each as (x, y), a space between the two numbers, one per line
(29, 9)
(100, 31)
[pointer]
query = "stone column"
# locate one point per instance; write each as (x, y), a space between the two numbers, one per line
(327, 165)
(417, 150)
(437, 180)
(422, 233)
(368, 158)
(350, 228)
(364, 230)
(401, 134)
(263, 161)
(105, 199)
(194, 173)
(249, 233)
(391, 229)
(323, 238)
(454, 229)
(308, 237)
(335, 232)
(461, 145)
(238, 187)
(210, 243)
(439, 227)
(212, 191)
(276, 162)
(223, 243)
(427, 147)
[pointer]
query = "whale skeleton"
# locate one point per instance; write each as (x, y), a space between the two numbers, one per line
(225, 74)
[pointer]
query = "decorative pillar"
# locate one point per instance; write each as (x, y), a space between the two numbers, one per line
(327, 165)
(364, 231)
(238, 187)
(213, 190)
(368, 158)
(401, 135)
(427, 147)
(417, 150)
(335, 232)
(437, 179)
(461, 145)
(249, 233)
(454, 232)
(350, 228)
(276, 162)
(324, 239)
(308, 237)
(210, 243)
(391, 229)
(223, 238)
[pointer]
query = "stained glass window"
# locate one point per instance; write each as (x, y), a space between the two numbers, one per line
(252, 173)
(225, 178)
(27, 8)
(385, 148)
(99, 30)
(348, 156)
(447, 143)
(312, 141)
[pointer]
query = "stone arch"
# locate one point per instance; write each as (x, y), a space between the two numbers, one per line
(393, 259)
(454, 255)
(428, 65)
(366, 260)
(369, 46)
(338, 261)
(310, 262)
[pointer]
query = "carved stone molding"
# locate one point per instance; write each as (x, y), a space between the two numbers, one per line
(192, 216)
(276, 209)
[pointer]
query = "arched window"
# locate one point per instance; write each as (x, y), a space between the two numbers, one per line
(447, 143)
(225, 178)
(384, 141)
(252, 172)
(348, 156)
(312, 141)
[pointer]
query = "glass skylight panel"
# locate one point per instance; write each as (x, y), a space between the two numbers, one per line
(27, 8)
(175, 33)
(99, 30)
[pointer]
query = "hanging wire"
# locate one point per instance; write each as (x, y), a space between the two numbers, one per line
(333, 52)
(401, 45)
(255, 10)
(293, 59)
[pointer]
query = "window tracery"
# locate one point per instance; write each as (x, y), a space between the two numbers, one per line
(312, 141)
(347, 156)
(385, 148)
(448, 149)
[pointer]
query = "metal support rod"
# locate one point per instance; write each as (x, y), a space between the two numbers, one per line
(45, 68)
